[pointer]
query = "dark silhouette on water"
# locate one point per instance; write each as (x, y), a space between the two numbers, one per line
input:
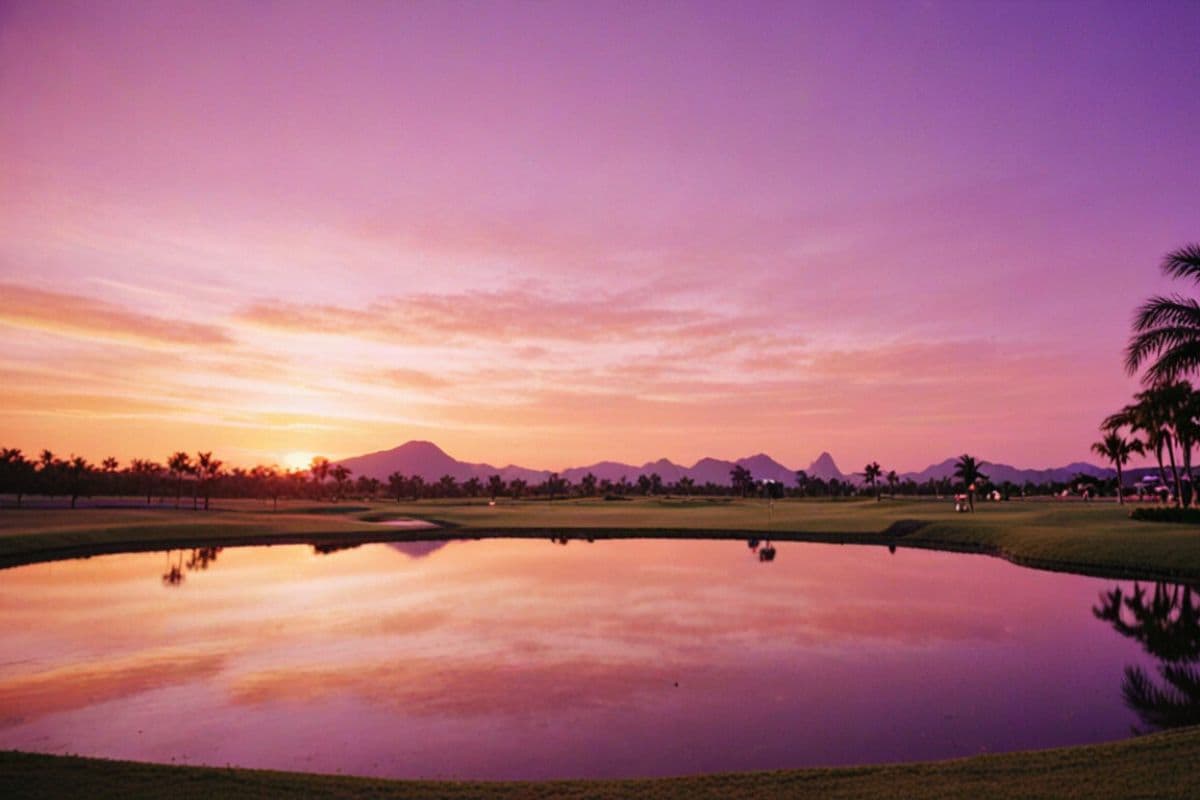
(1167, 625)
(199, 559)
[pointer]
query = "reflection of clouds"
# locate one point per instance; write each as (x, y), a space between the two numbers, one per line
(80, 686)
(433, 687)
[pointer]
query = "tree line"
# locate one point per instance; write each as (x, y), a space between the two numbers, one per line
(185, 479)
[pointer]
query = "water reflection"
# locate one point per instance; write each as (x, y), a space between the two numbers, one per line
(765, 550)
(504, 658)
(1167, 626)
(199, 559)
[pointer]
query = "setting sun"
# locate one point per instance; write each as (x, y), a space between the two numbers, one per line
(297, 460)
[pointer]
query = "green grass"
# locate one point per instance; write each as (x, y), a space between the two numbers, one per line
(1158, 766)
(1090, 538)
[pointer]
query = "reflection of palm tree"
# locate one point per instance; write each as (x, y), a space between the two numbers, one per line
(1167, 625)
(174, 574)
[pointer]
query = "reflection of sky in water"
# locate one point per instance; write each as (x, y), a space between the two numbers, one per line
(511, 658)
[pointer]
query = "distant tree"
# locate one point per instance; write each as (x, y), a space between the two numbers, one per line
(554, 485)
(872, 472)
(643, 484)
(179, 464)
(741, 480)
(801, 482)
(967, 470)
(397, 485)
(417, 484)
(495, 486)
(77, 471)
(340, 474)
(319, 469)
(686, 485)
(517, 487)
(655, 483)
(1117, 449)
(208, 470)
(622, 486)
(472, 487)
(147, 472)
(587, 485)
(447, 486)
(267, 483)
(16, 473)
(892, 480)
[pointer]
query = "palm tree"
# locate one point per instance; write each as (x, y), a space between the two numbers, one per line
(397, 485)
(892, 480)
(801, 482)
(587, 485)
(77, 471)
(740, 479)
(872, 472)
(149, 470)
(180, 464)
(1166, 330)
(967, 471)
(15, 471)
(1117, 449)
(340, 475)
(495, 486)
(208, 469)
(1151, 414)
(319, 467)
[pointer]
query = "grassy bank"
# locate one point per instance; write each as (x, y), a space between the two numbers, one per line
(1095, 538)
(1159, 766)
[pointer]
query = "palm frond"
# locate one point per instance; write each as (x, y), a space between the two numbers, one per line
(1183, 263)
(1156, 341)
(1179, 360)
(1160, 311)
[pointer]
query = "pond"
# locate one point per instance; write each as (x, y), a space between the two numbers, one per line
(510, 658)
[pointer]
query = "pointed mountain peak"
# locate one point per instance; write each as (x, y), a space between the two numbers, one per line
(825, 468)
(419, 446)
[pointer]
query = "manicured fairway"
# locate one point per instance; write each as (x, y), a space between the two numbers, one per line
(1095, 538)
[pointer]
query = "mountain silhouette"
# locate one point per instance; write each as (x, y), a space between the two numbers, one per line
(431, 463)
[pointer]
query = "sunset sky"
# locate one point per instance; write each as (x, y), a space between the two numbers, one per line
(554, 233)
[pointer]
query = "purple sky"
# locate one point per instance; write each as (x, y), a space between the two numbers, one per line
(554, 233)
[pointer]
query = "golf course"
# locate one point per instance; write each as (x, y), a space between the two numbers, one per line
(1095, 539)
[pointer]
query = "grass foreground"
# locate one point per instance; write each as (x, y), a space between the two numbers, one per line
(1160, 765)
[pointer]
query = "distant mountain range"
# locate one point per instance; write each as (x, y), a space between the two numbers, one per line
(431, 463)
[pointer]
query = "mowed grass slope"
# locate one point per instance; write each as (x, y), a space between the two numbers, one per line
(1092, 538)
(1157, 766)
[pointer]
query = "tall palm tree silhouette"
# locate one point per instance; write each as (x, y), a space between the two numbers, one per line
(1166, 330)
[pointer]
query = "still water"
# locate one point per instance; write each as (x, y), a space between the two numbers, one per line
(533, 659)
